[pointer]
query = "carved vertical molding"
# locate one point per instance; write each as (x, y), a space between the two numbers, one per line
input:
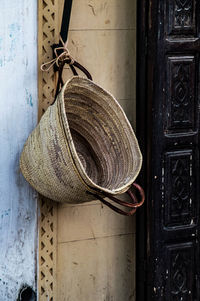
(47, 35)
(47, 222)
(47, 250)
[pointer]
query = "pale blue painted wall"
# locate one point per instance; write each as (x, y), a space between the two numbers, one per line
(18, 116)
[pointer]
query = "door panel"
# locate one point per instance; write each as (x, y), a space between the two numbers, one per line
(172, 149)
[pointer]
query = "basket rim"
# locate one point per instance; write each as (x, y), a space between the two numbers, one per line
(77, 162)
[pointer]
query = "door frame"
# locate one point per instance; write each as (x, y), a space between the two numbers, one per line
(141, 121)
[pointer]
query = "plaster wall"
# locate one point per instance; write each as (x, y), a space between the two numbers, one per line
(96, 246)
(18, 116)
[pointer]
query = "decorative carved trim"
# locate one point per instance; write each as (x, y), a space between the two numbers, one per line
(47, 35)
(180, 271)
(47, 250)
(183, 13)
(179, 183)
(181, 17)
(180, 106)
(48, 16)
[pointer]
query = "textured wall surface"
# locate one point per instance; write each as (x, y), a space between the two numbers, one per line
(96, 246)
(18, 107)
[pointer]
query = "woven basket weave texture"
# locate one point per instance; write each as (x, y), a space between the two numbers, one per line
(84, 142)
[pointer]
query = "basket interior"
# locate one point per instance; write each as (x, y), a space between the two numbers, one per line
(104, 145)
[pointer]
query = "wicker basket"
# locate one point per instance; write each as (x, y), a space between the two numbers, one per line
(83, 143)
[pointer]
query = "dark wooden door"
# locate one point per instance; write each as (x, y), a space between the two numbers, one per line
(168, 227)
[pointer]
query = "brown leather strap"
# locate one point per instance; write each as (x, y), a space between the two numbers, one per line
(114, 208)
(80, 67)
(134, 204)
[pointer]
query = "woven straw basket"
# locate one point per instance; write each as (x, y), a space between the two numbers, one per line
(83, 143)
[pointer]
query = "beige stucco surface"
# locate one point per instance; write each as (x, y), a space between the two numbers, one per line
(96, 247)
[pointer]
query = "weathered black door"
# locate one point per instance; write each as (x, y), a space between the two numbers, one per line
(169, 131)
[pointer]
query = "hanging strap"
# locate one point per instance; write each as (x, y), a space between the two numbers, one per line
(60, 52)
(65, 20)
(134, 204)
(60, 82)
(64, 27)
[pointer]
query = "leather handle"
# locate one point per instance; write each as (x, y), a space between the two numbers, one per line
(134, 204)
(72, 67)
(80, 67)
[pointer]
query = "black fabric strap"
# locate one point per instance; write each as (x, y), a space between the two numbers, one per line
(64, 26)
(63, 35)
(65, 19)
